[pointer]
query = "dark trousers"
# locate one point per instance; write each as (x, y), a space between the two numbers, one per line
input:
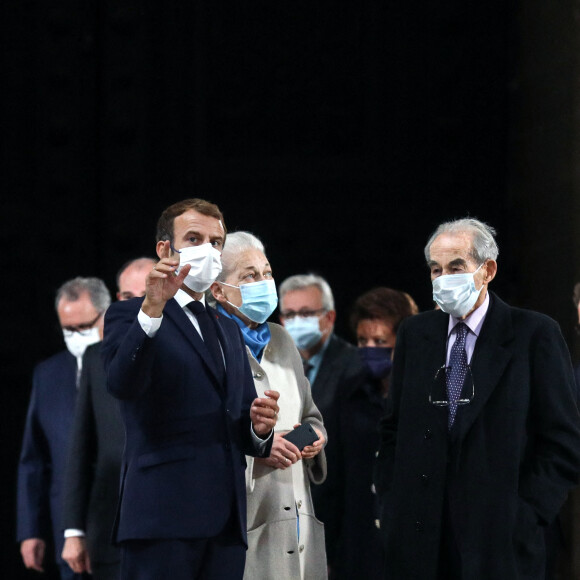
(207, 559)
(67, 574)
(107, 571)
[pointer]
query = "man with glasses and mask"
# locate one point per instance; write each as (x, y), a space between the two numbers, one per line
(470, 474)
(80, 304)
(307, 312)
(91, 480)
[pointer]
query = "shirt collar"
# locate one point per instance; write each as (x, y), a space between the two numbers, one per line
(183, 298)
(474, 321)
(317, 358)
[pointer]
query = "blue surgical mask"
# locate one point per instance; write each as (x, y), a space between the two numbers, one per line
(456, 294)
(259, 299)
(377, 360)
(305, 332)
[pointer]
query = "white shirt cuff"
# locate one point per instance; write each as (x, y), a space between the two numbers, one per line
(74, 533)
(149, 325)
(259, 442)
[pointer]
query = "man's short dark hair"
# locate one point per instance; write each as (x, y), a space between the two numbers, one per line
(167, 218)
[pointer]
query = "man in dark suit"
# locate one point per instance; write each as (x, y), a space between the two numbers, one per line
(91, 482)
(80, 305)
(190, 411)
(308, 314)
(483, 440)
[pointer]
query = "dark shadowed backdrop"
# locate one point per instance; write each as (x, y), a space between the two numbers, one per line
(339, 134)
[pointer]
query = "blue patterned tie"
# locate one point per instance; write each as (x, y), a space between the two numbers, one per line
(457, 370)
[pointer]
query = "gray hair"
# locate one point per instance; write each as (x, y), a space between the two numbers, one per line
(73, 289)
(483, 244)
(303, 281)
(237, 243)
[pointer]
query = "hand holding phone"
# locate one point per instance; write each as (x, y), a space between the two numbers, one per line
(302, 436)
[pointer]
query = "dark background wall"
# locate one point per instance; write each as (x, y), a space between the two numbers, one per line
(341, 135)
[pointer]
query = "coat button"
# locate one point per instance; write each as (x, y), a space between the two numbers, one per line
(424, 479)
(301, 548)
(419, 526)
(258, 376)
(378, 524)
(428, 434)
(373, 489)
(299, 503)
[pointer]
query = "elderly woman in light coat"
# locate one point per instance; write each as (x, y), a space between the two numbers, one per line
(285, 540)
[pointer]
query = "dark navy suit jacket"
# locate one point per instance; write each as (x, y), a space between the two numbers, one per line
(91, 486)
(187, 434)
(44, 449)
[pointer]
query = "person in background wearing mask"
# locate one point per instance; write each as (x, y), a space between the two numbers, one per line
(189, 408)
(481, 442)
(91, 481)
(307, 313)
(80, 305)
(354, 543)
(288, 543)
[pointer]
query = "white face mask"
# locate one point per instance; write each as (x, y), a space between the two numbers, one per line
(205, 263)
(456, 293)
(77, 342)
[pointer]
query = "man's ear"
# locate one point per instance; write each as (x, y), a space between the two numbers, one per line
(331, 315)
(491, 271)
(160, 249)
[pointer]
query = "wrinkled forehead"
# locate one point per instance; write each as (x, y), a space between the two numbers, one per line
(452, 247)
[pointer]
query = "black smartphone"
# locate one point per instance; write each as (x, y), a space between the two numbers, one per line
(302, 436)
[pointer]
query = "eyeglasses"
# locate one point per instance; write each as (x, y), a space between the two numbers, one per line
(290, 314)
(83, 329)
(438, 394)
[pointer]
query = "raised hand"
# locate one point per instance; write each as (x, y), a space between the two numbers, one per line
(162, 282)
(264, 413)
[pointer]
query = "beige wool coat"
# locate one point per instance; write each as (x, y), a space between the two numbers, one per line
(275, 496)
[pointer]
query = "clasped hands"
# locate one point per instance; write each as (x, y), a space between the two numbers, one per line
(284, 453)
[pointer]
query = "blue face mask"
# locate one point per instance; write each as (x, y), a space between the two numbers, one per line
(305, 332)
(259, 299)
(377, 360)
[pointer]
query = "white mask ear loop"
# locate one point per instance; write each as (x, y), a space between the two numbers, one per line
(231, 286)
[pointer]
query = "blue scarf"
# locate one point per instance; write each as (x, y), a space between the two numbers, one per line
(255, 338)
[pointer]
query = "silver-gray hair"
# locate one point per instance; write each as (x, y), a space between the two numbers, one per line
(96, 288)
(483, 244)
(237, 243)
(303, 281)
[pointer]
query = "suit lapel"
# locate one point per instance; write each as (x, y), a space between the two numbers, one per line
(490, 358)
(433, 352)
(174, 311)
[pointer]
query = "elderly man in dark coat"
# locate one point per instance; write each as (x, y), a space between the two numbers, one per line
(482, 443)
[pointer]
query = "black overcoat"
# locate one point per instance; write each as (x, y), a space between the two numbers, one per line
(508, 463)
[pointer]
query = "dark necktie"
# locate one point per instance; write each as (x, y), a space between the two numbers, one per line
(209, 335)
(307, 367)
(457, 370)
